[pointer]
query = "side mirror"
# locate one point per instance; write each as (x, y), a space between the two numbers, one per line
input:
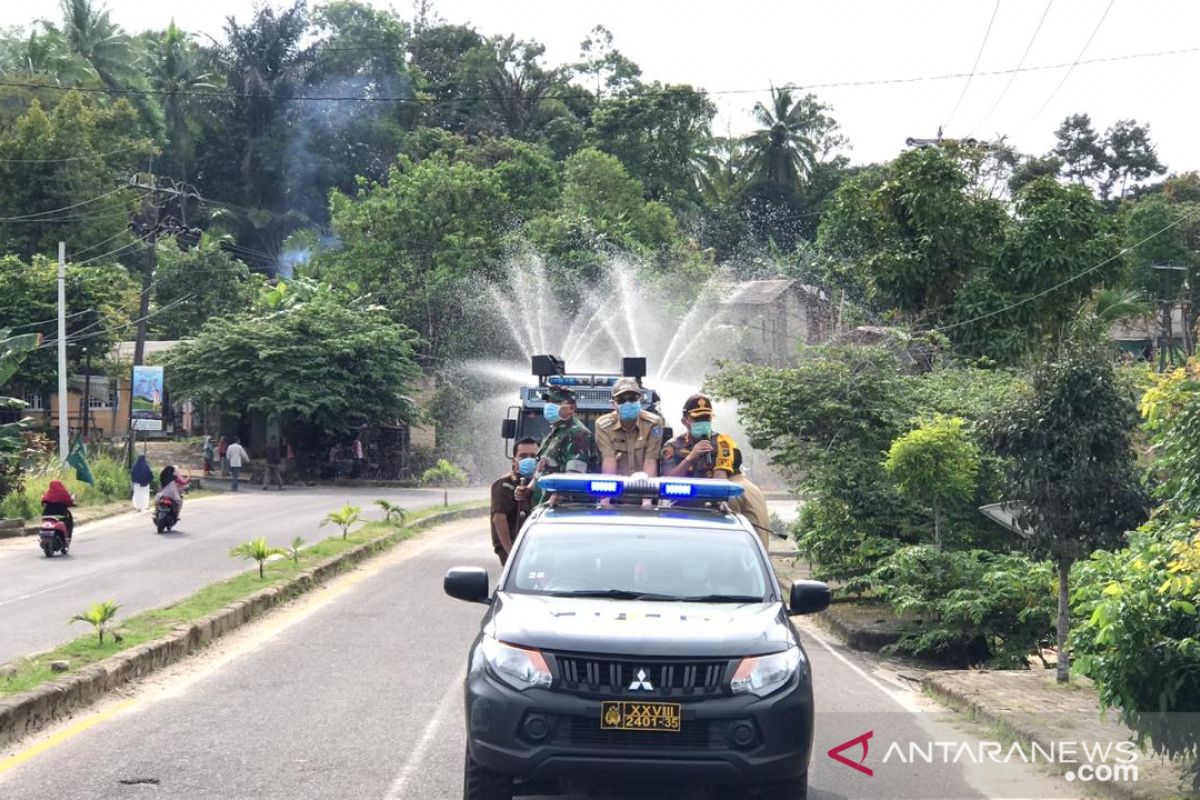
(508, 429)
(809, 597)
(467, 583)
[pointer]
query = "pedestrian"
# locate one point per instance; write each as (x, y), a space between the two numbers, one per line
(698, 452)
(237, 457)
(223, 453)
(208, 455)
(271, 473)
(628, 438)
(140, 476)
(357, 452)
(508, 510)
(752, 504)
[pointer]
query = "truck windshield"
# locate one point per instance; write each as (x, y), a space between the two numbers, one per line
(652, 564)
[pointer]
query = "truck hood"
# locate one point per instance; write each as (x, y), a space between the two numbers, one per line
(640, 627)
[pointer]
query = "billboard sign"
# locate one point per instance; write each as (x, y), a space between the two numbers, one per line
(147, 398)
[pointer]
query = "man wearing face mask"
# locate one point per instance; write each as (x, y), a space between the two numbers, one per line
(569, 446)
(509, 506)
(699, 452)
(629, 438)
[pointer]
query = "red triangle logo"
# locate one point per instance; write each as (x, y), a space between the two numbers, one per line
(836, 752)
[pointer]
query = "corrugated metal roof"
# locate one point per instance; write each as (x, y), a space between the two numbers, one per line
(754, 293)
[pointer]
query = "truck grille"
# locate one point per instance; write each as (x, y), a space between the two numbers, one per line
(590, 675)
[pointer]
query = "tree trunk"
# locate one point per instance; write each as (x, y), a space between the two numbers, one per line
(1064, 619)
(937, 526)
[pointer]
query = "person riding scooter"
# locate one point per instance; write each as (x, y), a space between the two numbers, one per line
(57, 502)
(171, 484)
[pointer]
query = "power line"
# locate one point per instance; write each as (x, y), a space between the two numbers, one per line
(34, 216)
(644, 93)
(1013, 76)
(76, 337)
(48, 321)
(64, 160)
(113, 252)
(98, 245)
(975, 66)
(1186, 217)
(1071, 68)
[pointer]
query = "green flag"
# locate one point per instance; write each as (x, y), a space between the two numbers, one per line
(78, 460)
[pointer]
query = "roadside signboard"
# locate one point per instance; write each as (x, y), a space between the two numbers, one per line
(147, 398)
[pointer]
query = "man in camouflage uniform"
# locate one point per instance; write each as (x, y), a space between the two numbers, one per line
(700, 452)
(569, 446)
(629, 438)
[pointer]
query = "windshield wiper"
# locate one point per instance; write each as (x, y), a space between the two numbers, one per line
(615, 594)
(723, 598)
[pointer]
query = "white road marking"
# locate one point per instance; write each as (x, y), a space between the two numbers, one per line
(449, 700)
(905, 700)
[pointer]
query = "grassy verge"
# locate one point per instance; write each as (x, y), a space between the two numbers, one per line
(27, 673)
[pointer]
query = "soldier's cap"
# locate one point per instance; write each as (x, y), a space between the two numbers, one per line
(626, 386)
(698, 406)
(558, 394)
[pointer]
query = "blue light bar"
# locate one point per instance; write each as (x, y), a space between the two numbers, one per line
(612, 485)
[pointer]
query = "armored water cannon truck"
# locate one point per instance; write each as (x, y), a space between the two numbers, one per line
(593, 395)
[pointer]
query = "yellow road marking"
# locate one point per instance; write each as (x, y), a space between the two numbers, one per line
(58, 738)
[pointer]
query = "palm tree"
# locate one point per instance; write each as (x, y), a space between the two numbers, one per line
(793, 137)
(100, 42)
(173, 68)
(44, 54)
(256, 550)
(392, 510)
(344, 517)
(98, 616)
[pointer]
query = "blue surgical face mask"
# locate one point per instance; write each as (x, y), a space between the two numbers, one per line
(702, 429)
(550, 412)
(527, 466)
(629, 411)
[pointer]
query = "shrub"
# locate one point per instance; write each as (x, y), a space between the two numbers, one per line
(974, 606)
(444, 473)
(838, 547)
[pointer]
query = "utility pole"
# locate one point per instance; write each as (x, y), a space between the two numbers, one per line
(87, 389)
(63, 420)
(1167, 298)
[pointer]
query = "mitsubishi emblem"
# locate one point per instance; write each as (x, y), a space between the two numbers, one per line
(640, 682)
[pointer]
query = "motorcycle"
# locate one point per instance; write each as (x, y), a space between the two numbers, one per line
(53, 536)
(166, 514)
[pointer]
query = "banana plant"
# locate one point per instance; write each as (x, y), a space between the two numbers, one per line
(257, 550)
(13, 350)
(98, 616)
(344, 517)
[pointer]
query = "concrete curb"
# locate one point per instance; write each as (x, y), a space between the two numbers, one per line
(952, 697)
(28, 712)
(856, 637)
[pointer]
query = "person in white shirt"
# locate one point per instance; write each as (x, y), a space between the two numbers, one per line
(236, 455)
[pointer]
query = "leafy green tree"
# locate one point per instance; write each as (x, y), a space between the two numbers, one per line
(13, 351)
(345, 518)
(1130, 157)
(1073, 469)
(317, 365)
(1080, 148)
(194, 286)
(936, 464)
(257, 550)
(99, 615)
(605, 67)
(444, 473)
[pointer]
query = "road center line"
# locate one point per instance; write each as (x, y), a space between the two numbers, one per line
(449, 700)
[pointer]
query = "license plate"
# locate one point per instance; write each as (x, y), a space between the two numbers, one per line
(623, 715)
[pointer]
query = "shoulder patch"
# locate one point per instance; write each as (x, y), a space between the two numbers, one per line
(607, 422)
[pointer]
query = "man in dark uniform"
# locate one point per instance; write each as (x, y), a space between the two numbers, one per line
(699, 452)
(509, 511)
(569, 446)
(629, 438)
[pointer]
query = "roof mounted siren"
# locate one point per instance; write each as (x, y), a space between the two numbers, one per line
(547, 365)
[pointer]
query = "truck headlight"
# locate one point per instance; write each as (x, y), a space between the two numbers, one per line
(518, 667)
(761, 675)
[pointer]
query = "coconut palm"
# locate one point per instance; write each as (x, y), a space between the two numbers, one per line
(172, 65)
(256, 550)
(43, 54)
(794, 135)
(99, 41)
(344, 517)
(98, 616)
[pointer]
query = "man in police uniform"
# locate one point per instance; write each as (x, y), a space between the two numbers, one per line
(629, 438)
(752, 504)
(700, 452)
(568, 447)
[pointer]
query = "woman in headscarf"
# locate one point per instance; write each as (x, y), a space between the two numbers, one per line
(57, 502)
(141, 477)
(171, 485)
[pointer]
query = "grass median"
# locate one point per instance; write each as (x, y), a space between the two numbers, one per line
(29, 672)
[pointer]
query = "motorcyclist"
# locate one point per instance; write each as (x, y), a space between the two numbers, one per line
(57, 502)
(171, 484)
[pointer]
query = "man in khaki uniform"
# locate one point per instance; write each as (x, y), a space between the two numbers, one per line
(629, 437)
(752, 504)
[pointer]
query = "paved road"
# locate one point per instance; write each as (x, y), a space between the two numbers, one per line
(355, 692)
(125, 560)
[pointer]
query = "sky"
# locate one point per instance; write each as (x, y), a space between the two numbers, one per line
(737, 49)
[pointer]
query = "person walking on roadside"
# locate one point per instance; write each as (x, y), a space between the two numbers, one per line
(236, 456)
(508, 510)
(271, 473)
(209, 452)
(223, 454)
(629, 438)
(140, 477)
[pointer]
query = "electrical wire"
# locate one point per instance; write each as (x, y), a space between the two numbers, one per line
(987, 33)
(1078, 60)
(1185, 218)
(97, 245)
(34, 217)
(48, 321)
(111, 253)
(1013, 76)
(64, 160)
(75, 337)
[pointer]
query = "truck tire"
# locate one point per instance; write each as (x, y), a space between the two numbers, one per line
(483, 783)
